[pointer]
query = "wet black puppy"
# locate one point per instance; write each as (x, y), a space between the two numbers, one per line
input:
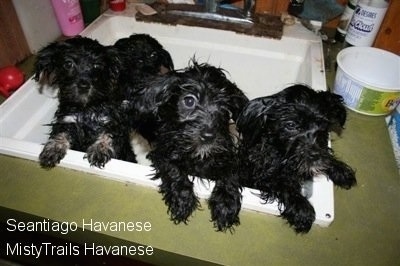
(191, 111)
(86, 75)
(284, 143)
(142, 58)
(143, 55)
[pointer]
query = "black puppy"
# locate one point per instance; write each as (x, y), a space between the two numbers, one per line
(86, 75)
(142, 58)
(191, 111)
(284, 143)
(94, 82)
(143, 55)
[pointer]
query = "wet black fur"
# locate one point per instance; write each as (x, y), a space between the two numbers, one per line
(142, 58)
(138, 69)
(285, 143)
(86, 75)
(152, 59)
(91, 81)
(190, 111)
(85, 72)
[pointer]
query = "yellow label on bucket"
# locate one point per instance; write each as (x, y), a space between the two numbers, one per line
(377, 102)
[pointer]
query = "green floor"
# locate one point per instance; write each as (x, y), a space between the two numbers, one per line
(365, 230)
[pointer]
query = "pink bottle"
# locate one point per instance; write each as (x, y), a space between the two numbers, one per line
(69, 16)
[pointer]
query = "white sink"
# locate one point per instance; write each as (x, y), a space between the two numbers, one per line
(259, 66)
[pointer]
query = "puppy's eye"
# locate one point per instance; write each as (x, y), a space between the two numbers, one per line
(153, 54)
(97, 66)
(68, 64)
(189, 101)
(290, 125)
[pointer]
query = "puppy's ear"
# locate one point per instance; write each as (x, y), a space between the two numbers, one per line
(254, 117)
(237, 99)
(166, 62)
(114, 63)
(155, 92)
(46, 63)
(333, 107)
(237, 102)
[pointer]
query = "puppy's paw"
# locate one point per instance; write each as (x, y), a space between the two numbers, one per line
(100, 152)
(182, 206)
(300, 214)
(180, 199)
(342, 175)
(54, 151)
(225, 207)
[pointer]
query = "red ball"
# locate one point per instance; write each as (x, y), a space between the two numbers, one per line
(11, 78)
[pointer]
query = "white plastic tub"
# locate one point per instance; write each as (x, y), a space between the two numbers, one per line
(259, 66)
(368, 78)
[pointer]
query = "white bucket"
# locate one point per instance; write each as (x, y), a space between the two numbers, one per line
(368, 79)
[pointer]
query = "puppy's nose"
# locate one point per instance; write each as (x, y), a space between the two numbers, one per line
(207, 135)
(310, 136)
(84, 84)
